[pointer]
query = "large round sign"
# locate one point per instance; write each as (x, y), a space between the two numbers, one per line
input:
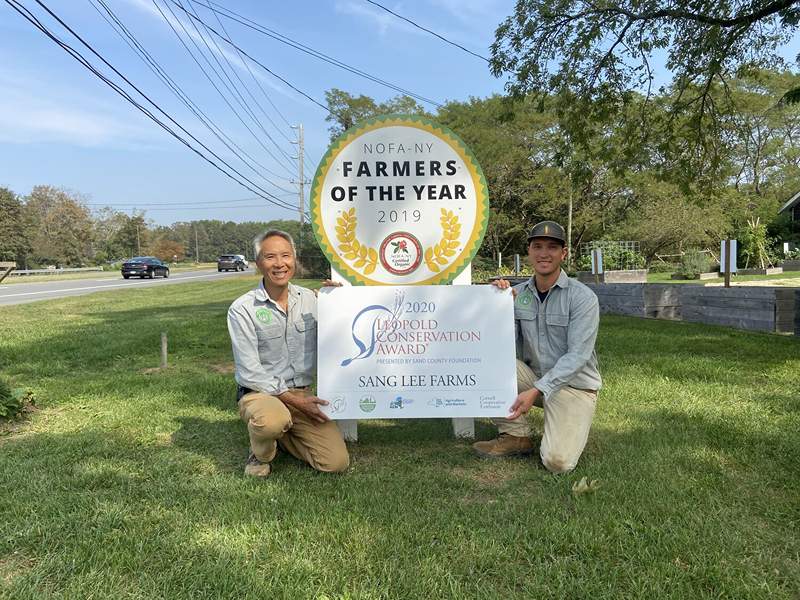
(399, 200)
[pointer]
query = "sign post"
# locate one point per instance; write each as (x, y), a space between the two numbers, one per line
(597, 264)
(399, 200)
(727, 260)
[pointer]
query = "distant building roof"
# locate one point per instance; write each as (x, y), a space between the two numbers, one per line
(793, 201)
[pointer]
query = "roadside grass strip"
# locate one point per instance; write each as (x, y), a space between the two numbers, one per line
(127, 481)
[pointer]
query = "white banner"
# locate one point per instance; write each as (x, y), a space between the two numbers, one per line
(416, 351)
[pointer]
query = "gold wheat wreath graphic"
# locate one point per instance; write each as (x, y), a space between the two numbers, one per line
(366, 258)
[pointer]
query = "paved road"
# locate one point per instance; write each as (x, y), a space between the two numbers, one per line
(31, 292)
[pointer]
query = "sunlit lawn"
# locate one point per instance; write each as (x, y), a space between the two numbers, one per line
(127, 483)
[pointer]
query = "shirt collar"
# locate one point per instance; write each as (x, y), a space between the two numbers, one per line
(562, 281)
(263, 295)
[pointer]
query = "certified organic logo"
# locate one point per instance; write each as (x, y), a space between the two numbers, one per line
(367, 403)
(400, 253)
(264, 315)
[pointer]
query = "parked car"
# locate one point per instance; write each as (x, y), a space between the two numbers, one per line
(231, 262)
(144, 266)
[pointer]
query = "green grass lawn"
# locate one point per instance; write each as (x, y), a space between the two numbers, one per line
(127, 482)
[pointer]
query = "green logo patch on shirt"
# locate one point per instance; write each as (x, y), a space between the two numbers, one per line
(525, 298)
(264, 315)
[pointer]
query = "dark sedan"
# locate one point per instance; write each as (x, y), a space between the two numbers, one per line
(144, 266)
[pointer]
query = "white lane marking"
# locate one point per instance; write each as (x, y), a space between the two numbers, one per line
(103, 287)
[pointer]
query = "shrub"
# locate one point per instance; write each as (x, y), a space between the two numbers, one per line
(692, 264)
(793, 254)
(662, 267)
(615, 258)
(13, 401)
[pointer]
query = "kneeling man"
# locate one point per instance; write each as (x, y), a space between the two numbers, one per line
(273, 331)
(556, 321)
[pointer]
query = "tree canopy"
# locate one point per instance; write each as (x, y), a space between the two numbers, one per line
(594, 54)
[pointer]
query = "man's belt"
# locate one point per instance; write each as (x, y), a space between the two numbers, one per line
(243, 391)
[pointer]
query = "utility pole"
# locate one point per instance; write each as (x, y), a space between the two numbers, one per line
(569, 230)
(301, 189)
(138, 243)
(196, 247)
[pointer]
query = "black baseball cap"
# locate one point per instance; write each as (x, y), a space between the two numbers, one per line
(548, 229)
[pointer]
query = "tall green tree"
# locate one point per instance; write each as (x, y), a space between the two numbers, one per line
(595, 56)
(347, 110)
(15, 230)
(63, 226)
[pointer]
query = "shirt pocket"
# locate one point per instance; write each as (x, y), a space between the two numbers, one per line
(306, 332)
(557, 327)
(557, 319)
(524, 314)
(270, 343)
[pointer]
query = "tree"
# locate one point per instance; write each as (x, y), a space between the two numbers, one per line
(107, 227)
(594, 55)
(15, 233)
(62, 224)
(133, 236)
(347, 111)
(167, 250)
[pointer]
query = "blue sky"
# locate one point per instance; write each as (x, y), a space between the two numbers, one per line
(59, 125)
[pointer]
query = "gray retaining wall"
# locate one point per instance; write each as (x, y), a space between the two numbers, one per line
(752, 308)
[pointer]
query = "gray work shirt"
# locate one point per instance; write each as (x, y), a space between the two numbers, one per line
(274, 351)
(556, 337)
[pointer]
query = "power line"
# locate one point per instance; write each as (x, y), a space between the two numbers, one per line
(253, 77)
(205, 207)
(173, 204)
(228, 41)
(226, 12)
(30, 17)
(130, 39)
(418, 26)
(260, 87)
(242, 101)
(205, 73)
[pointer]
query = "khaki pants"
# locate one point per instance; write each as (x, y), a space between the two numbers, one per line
(568, 417)
(270, 423)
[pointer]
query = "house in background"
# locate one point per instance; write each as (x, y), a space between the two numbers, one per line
(792, 208)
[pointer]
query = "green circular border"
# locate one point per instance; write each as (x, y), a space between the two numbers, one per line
(482, 214)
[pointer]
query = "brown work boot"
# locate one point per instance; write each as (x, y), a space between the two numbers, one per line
(504, 445)
(255, 468)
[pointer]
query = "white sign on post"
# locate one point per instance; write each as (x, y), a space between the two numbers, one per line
(723, 257)
(597, 261)
(416, 351)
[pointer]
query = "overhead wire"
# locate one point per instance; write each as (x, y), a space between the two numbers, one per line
(130, 39)
(260, 87)
(425, 29)
(30, 17)
(208, 77)
(240, 99)
(226, 12)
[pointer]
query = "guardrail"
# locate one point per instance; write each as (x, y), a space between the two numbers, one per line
(53, 271)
